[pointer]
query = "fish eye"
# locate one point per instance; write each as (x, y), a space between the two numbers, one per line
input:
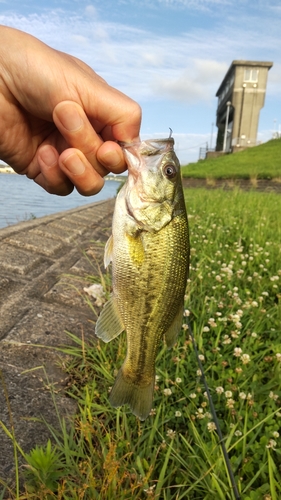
(170, 171)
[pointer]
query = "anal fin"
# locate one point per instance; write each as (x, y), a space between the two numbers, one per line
(109, 324)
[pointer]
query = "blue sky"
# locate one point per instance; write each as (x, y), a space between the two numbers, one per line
(169, 55)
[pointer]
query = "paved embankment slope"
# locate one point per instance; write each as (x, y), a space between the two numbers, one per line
(43, 267)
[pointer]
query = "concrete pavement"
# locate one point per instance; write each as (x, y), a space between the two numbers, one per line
(44, 265)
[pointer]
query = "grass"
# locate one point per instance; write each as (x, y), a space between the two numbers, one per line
(233, 304)
(260, 162)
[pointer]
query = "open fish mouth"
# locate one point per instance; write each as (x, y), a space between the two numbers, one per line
(150, 146)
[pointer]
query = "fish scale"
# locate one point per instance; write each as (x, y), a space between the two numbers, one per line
(149, 249)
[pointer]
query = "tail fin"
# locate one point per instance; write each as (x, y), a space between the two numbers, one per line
(138, 398)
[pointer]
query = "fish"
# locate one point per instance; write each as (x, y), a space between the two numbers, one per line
(149, 251)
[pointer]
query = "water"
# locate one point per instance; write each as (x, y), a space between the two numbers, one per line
(22, 199)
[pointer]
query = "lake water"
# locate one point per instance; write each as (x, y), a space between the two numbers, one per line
(22, 199)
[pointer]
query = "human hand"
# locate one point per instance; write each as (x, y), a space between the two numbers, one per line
(58, 119)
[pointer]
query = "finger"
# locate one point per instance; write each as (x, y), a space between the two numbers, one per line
(73, 124)
(50, 176)
(111, 156)
(80, 172)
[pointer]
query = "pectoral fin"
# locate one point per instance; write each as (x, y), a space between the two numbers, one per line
(109, 324)
(108, 251)
(172, 333)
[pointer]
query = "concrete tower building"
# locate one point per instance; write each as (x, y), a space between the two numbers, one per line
(241, 96)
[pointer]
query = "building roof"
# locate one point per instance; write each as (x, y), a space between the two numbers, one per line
(259, 64)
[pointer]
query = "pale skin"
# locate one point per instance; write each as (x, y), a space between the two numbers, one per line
(59, 120)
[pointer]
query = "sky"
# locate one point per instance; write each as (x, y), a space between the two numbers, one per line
(168, 55)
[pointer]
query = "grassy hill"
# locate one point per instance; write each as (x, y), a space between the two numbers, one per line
(261, 162)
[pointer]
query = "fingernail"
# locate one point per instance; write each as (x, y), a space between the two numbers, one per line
(110, 159)
(49, 157)
(74, 164)
(70, 118)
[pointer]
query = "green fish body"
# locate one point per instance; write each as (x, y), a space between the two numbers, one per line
(149, 250)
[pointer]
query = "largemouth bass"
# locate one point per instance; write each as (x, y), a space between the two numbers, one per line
(149, 250)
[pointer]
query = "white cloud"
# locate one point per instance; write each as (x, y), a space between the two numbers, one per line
(187, 67)
(197, 82)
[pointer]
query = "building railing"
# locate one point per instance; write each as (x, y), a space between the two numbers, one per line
(203, 152)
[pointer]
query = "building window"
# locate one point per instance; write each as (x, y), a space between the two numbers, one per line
(251, 75)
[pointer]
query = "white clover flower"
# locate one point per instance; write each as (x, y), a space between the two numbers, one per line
(265, 294)
(242, 395)
(198, 373)
(249, 395)
(230, 403)
(255, 303)
(177, 413)
(227, 340)
(201, 357)
(193, 395)
(276, 434)
(245, 358)
(271, 444)
(238, 433)
(157, 378)
(171, 434)
(211, 426)
(238, 325)
(206, 329)
(200, 414)
(273, 396)
(212, 322)
(219, 390)
(228, 394)
(254, 334)
(186, 312)
(278, 356)
(178, 380)
(237, 352)
(167, 392)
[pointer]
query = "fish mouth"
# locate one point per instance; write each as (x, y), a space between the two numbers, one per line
(150, 146)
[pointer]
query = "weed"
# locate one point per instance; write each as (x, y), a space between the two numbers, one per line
(233, 303)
